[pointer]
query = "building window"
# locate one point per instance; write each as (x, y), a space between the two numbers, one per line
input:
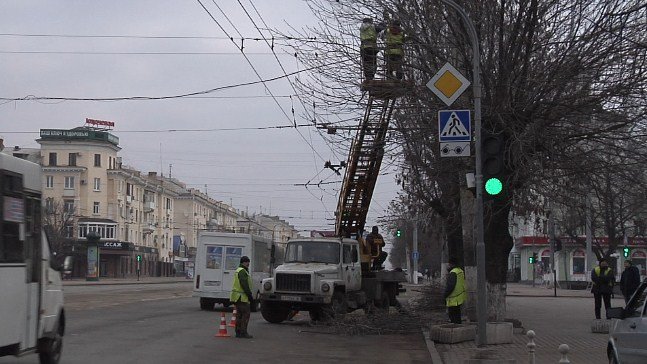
(579, 262)
(105, 231)
(97, 184)
(639, 259)
(68, 231)
(49, 205)
(68, 207)
(97, 160)
(72, 160)
(52, 159)
(95, 208)
(49, 181)
(69, 182)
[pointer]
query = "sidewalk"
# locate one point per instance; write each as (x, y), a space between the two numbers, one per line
(565, 319)
(527, 290)
(117, 281)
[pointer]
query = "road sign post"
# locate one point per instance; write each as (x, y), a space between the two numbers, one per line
(481, 306)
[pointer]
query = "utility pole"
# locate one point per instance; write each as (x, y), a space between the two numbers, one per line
(481, 294)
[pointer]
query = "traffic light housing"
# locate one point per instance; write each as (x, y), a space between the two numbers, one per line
(492, 164)
(398, 233)
(533, 258)
(626, 251)
(139, 258)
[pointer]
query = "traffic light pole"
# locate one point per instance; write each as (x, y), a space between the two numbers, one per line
(481, 294)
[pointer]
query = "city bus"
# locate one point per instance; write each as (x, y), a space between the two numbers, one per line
(31, 296)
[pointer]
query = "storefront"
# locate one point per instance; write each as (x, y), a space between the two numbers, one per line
(114, 259)
(570, 261)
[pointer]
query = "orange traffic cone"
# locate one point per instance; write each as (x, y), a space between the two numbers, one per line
(232, 323)
(222, 332)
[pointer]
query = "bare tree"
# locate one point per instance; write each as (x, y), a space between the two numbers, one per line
(58, 221)
(563, 81)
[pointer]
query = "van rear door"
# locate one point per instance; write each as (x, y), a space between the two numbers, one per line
(212, 274)
(232, 261)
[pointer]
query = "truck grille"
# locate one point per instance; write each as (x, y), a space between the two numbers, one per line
(293, 282)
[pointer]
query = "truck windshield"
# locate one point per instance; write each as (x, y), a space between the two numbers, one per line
(312, 252)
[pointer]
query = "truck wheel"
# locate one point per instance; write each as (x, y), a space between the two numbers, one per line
(274, 314)
(384, 302)
(338, 306)
(206, 304)
(316, 314)
(49, 349)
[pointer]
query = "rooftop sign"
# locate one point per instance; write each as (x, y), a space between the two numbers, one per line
(87, 134)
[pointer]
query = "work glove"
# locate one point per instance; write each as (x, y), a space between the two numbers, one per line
(251, 303)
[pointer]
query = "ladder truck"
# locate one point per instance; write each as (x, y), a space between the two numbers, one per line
(332, 276)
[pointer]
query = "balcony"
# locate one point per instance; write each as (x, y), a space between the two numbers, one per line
(149, 206)
(69, 193)
(148, 228)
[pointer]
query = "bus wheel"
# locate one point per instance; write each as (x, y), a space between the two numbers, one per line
(49, 349)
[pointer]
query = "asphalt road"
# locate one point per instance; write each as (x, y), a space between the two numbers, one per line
(161, 324)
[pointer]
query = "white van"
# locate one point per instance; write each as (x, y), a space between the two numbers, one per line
(217, 259)
(32, 318)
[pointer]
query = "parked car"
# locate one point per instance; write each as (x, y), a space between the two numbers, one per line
(628, 334)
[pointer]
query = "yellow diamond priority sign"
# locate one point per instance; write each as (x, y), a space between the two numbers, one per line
(448, 84)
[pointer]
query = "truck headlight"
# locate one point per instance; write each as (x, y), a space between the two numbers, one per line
(267, 286)
(325, 287)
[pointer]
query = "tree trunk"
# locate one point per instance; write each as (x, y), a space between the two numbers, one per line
(496, 302)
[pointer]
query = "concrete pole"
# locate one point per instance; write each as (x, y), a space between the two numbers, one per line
(551, 237)
(407, 254)
(415, 251)
(589, 239)
(481, 294)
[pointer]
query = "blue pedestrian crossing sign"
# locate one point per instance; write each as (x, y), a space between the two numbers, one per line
(454, 126)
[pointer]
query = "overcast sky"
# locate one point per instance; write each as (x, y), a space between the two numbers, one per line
(60, 49)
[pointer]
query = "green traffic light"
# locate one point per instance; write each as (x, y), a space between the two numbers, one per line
(398, 233)
(493, 186)
(625, 252)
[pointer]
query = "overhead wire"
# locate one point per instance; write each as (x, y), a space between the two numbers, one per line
(252, 66)
(271, 46)
(141, 98)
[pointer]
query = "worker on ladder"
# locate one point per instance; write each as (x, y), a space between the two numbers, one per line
(394, 50)
(368, 49)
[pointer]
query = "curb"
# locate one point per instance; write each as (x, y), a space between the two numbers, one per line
(431, 347)
(112, 283)
(541, 296)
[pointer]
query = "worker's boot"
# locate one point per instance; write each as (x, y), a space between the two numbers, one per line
(245, 335)
(237, 333)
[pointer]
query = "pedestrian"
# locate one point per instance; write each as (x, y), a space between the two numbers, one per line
(603, 281)
(394, 51)
(368, 46)
(630, 280)
(455, 291)
(376, 243)
(428, 274)
(241, 296)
